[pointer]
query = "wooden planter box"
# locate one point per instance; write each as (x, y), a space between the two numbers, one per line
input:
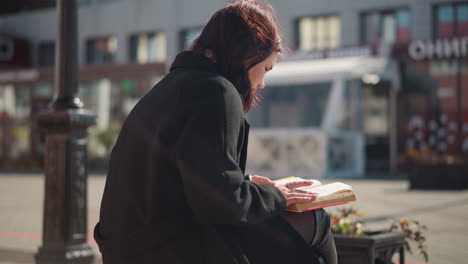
(439, 177)
(376, 248)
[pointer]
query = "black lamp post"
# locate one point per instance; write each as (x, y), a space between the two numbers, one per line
(65, 164)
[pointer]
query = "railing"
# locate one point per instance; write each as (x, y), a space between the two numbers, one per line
(307, 153)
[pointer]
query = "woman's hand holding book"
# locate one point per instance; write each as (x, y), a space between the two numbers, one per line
(288, 189)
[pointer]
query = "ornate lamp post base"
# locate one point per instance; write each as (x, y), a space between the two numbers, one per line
(65, 205)
(77, 254)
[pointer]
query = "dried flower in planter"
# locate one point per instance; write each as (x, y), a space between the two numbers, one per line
(414, 232)
(347, 222)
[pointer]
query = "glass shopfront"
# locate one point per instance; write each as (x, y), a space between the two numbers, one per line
(433, 103)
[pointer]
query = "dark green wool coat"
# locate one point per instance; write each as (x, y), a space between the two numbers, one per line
(176, 191)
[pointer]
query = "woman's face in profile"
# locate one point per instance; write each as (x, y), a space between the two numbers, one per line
(257, 72)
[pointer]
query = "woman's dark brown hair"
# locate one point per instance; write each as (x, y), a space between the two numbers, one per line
(238, 37)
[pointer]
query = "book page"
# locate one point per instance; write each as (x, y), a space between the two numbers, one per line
(293, 178)
(327, 189)
(328, 195)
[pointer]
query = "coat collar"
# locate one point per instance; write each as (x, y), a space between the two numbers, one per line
(189, 59)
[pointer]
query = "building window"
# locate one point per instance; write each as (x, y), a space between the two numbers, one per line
(291, 106)
(85, 2)
(9, 7)
(187, 36)
(148, 48)
(451, 20)
(101, 50)
(385, 26)
(92, 2)
(317, 33)
(6, 49)
(46, 54)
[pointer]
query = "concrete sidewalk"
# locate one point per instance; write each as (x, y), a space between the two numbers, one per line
(444, 212)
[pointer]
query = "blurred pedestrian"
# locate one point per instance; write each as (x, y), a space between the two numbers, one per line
(176, 191)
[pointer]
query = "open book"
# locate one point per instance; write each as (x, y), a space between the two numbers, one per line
(331, 194)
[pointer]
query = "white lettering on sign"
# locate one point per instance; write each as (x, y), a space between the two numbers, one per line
(464, 46)
(417, 50)
(438, 49)
(451, 47)
(433, 49)
(348, 52)
(332, 53)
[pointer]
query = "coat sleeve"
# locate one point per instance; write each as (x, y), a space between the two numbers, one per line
(215, 187)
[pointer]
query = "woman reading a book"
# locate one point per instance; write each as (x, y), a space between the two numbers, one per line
(176, 191)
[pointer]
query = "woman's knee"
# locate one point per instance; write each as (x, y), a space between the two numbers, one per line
(322, 217)
(325, 244)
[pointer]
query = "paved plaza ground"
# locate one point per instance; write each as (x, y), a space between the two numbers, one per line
(444, 212)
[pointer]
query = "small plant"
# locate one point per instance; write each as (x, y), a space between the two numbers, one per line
(414, 232)
(347, 222)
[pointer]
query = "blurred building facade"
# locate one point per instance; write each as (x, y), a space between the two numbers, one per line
(366, 82)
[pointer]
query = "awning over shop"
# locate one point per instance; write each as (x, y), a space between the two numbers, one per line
(417, 81)
(305, 71)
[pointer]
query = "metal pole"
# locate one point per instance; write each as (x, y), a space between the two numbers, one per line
(393, 130)
(66, 70)
(64, 235)
(459, 108)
